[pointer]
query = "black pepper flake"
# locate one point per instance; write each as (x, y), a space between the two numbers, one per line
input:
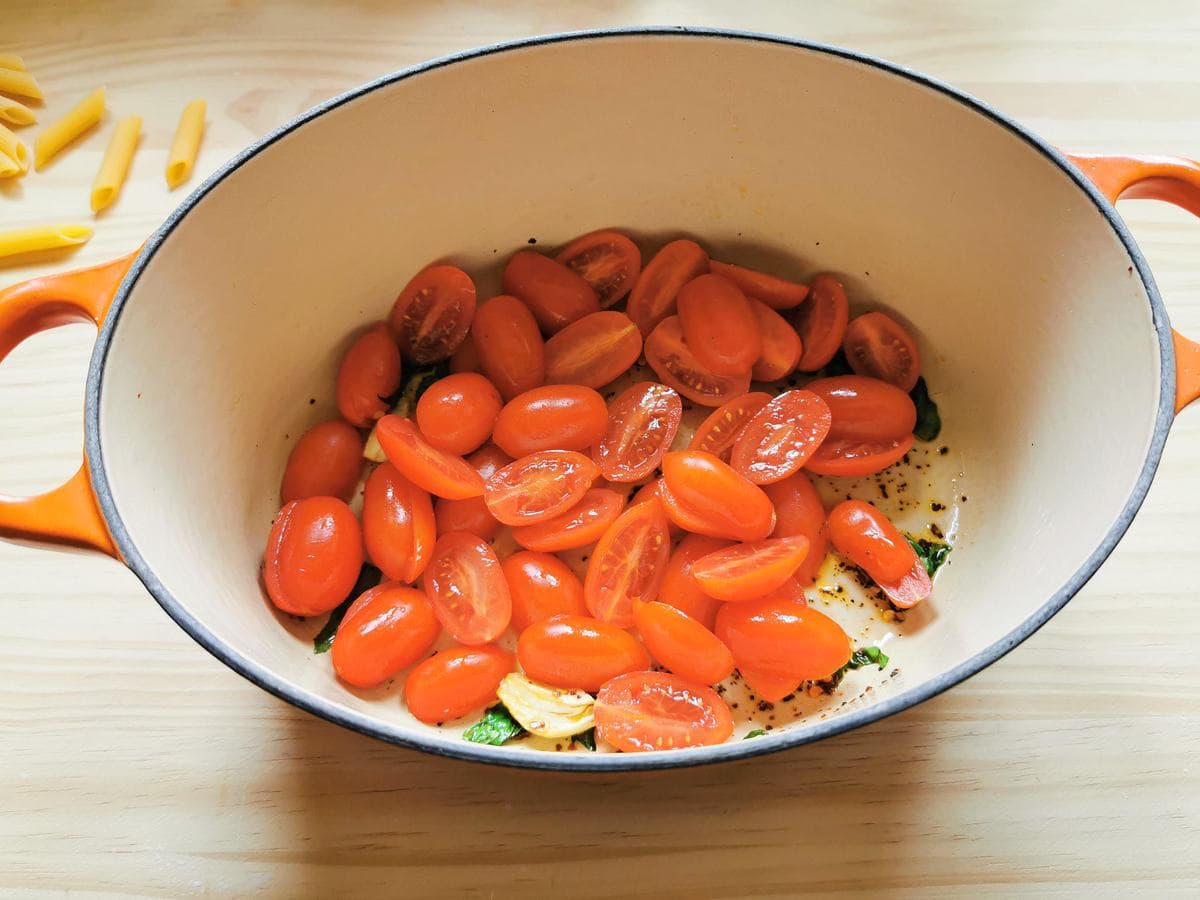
(936, 507)
(963, 498)
(883, 490)
(764, 706)
(532, 240)
(312, 400)
(788, 699)
(942, 451)
(935, 531)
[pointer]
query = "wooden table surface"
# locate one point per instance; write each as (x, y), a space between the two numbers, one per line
(133, 762)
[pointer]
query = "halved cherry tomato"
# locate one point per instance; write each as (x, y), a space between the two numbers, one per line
(578, 653)
(370, 371)
(852, 458)
(466, 357)
(582, 524)
(909, 590)
(313, 556)
(472, 515)
(774, 292)
(656, 711)
(456, 413)
(799, 511)
(439, 473)
(593, 350)
(398, 525)
(648, 493)
(781, 437)
(511, 353)
(325, 462)
(680, 589)
(606, 260)
(541, 585)
(677, 366)
(781, 347)
(433, 313)
(556, 295)
(865, 409)
(866, 537)
(467, 588)
(717, 433)
(821, 322)
(653, 296)
(642, 422)
(704, 495)
(783, 640)
(553, 417)
(749, 571)
(682, 644)
(456, 681)
(879, 346)
(770, 688)
(628, 564)
(387, 629)
(539, 486)
(718, 325)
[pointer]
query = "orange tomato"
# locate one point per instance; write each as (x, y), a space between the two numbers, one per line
(704, 495)
(456, 413)
(821, 322)
(751, 570)
(555, 294)
(433, 313)
(554, 417)
(653, 296)
(866, 537)
(719, 325)
(471, 515)
(648, 493)
(398, 525)
(781, 347)
(682, 644)
(781, 437)
(717, 433)
(799, 511)
(313, 556)
(541, 586)
(782, 640)
(865, 409)
(642, 422)
(607, 260)
(767, 687)
(628, 564)
(593, 350)
(509, 345)
(456, 681)
(776, 293)
(386, 630)
(851, 457)
(466, 586)
(672, 359)
(466, 357)
(680, 589)
(657, 711)
(913, 587)
(439, 473)
(539, 486)
(879, 346)
(578, 653)
(582, 524)
(370, 371)
(325, 462)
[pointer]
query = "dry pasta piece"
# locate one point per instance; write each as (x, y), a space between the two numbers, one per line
(14, 149)
(12, 61)
(116, 162)
(42, 237)
(86, 114)
(186, 144)
(21, 83)
(9, 167)
(16, 113)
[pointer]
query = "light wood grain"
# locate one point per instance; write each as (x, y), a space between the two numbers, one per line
(133, 763)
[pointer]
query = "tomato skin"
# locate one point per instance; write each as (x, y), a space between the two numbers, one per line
(880, 347)
(681, 644)
(325, 462)
(749, 571)
(775, 293)
(465, 358)
(607, 260)
(653, 296)
(719, 325)
(386, 630)
(594, 350)
(370, 371)
(866, 537)
(645, 711)
(769, 688)
(706, 496)
(680, 589)
(439, 473)
(510, 348)
(472, 515)
(846, 458)
(456, 413)
(821, 322)
(717, 433)
(433, 313)
(456, 681)
(539, 486)
(313, 556)
(799, 511)
(781, 437)
(677, 366)
(541, 586)
(466, 586)
(555, 294)
(553, 417)
(582, 524)
(913, 587)
(782, 640)
(642, 422)
(628, 564)
(781, 348)
(865, 409)
(398, 525)
(578, 653)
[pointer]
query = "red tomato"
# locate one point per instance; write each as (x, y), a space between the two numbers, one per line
(554, 417)
(657, 711)
(582, 524)
(398, 525)
(325, 462)
(848, 457)
(467, 588)
(799, 511)
(911, 589)
(774, 292)
(578, 653)
(556, 295)
(456, 681)
(680, 589)
(387, 629)
(780, 345)
(718, 324)
(677, 366)
(466, 357)
(433, 313)
(511, 353)
(541, 586)
(456, 413)
(781, 437)
(783, 640)
(370, 371)
(472, 515)
(606, 260)
(791, 591)
(642, 422)
(313, 556)
(593, 350)
(539, 486)
(821, 322)
(439, 473)
(682, 644)
(879, 346)
(866, 537)
(653, 296)
(748, 571)
(627, 564)
(769, 688)
(865, 409)
(717, 433)
(649, 493)
(703, 495)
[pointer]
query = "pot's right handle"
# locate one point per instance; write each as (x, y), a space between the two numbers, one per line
(1170, 178)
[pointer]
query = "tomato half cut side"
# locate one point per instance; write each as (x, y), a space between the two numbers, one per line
(387, 629)
(466, 586)
(423, 464)
(370, 371)
(719, 326)
(799, 511)
(628, 564)
(653, 296)
(607, 260)
(593, 351)
(777, 293)
(539, 486)
(645, 711)
(750, 570)
(456, 681)
(845, 458)
(555, 294)
(677, 366)
(909, 590)
(582, 524)
(865, 536)
(781, 437)
(781, 348)
(433, 313)
(865, 409)
(717, 433)
(681, 644)
(642, 422)
(879, 346)
(783, 640)
(578, 653)
(821, 322)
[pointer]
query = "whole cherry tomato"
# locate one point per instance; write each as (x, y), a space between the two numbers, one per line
(313, 556)
(653, 296)
(370, 371)
(539, 486)
(541, 586)
(628, 564)
(866, 537)
(719, 325)
(776, 293)
(657, 711)
(398, 525)
(682, 644)
(607, 260)
(456, 681)
(782, 640)
(423, 464)
(642, 422)
(510, 348)
(879, 346)
(433, 313)
(770, 688)
(781, 437)
(582, 524)
(781, 348)
(704, 495)
(669, 355)
(472, 515)
(748, 571)
(821, 322)
(466, 357)
(578, 653)
(718, 432)
(325, 462)
(555, 294)
(386, 630)
(680, 589)
(456, 413)
(594, 350)
(799, 511)
(554, 417)
(466, 586)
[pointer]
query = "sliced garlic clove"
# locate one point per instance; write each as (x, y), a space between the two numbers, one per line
(546, 711)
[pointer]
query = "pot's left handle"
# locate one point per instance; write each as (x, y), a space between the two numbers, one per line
(69, 514)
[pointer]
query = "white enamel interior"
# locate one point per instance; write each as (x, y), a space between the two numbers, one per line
(1038, 338)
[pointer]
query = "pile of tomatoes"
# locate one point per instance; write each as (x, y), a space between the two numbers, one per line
(701, 571)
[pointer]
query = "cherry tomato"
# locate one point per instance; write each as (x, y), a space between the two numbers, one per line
(593, 350)
(628, 564)
(539, 486)
(456, 413)
(879, 346)
(799, 511)
(466, 357)
(865, 409)
(511, 353)
(439, 473)
(466, 586)
(582, 524)
(849, 457)
(370, 371)
(821, 322)
(472, 515)
(645, 711)
(774, 292)
(680, 589)
(866, 537)
(313, 556)
(909, 590)
(782, 640)
(456, 681)
(791, 591)
(749, 571)
(541, 586)
(578, 653)
(555, 294)
(717, 433)
(398, 525)
(677, 366)
(653, 296)
(781, 437)
(781, 347)
(606, 260)
(648, 493)
(704, 495)
(386, 630)
(719, 326)
(682, 644)
(642, 422)
(554, 417)
(433, 313)
(769, 688)
(325, 462)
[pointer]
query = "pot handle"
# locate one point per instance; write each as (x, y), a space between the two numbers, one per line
(68, 514)
(1170, 178)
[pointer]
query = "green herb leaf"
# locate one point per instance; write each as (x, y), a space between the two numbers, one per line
(586, 738)
(368, 577)
(931, 553)
(757, 732)
(418, 381)
(866, 656)
(929, 423)
(496, 727)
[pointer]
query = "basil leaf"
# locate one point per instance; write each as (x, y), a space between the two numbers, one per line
(866, 656)
(929, 423)
(496, 727)
(586, 738)
(757, 732)
(931, 553)
(368, 577)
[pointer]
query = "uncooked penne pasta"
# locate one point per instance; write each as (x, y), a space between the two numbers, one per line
(14, 149)
(186, 144)
(85, 115)
(116, 162)
(9, 167)
(15, 81)
(42, 237)
(12, 61)
(16, 113)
